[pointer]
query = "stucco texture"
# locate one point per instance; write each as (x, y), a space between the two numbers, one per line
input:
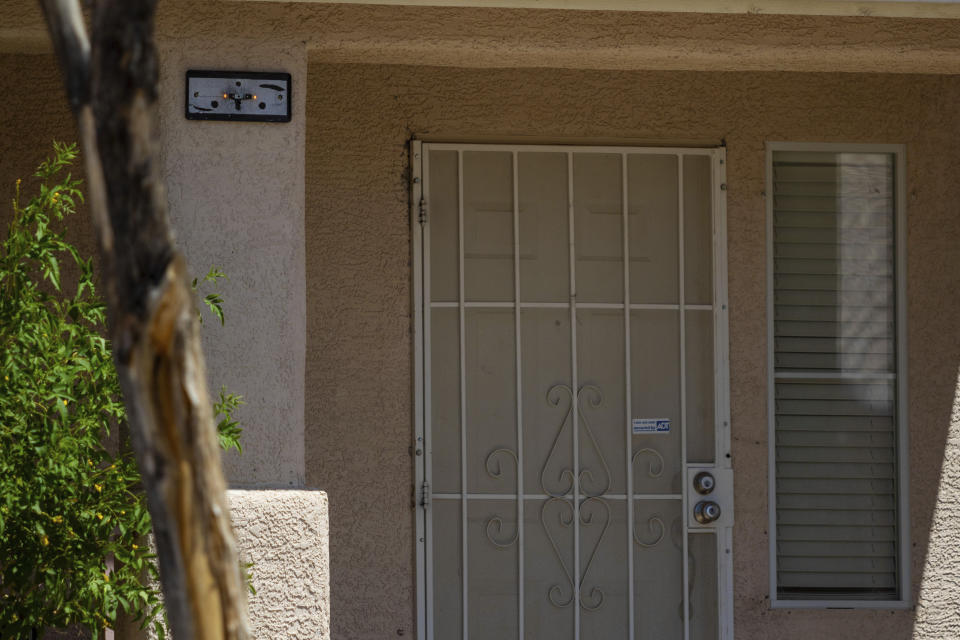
(354, 271)
(488, 37)
(359, 348)
(235, 191)
(28, 127)
(235, 195)
(283, 533)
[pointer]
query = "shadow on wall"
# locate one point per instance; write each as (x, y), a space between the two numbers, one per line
(28, 127)
(936, 561)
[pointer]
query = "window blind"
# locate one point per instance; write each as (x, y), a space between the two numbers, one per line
(835, 375)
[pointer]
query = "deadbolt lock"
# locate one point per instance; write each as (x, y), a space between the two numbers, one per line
(706, 511)
(710, 493)
(704, 483)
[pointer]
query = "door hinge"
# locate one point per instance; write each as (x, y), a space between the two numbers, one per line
(423, 211)
(425, 494)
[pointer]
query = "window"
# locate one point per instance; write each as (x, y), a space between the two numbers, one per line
(838, 476)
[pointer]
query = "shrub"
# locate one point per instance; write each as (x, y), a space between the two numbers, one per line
(68, 500)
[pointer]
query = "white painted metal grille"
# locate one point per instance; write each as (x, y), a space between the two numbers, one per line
(573, 324)
(835, 373)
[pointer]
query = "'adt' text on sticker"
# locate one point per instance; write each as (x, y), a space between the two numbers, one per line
(650, 425)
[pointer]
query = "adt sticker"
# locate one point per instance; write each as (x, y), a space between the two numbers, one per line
(651, 425)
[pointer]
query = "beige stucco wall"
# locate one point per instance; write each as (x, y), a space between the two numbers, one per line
(236, 194)
(283, 533)
(27, 129)
(282, 540)
(358, 402)
(235, 191)
(355, 269)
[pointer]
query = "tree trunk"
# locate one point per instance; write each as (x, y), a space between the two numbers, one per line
(112, 89)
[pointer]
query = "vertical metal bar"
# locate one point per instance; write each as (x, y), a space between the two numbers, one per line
(721, 374)
(428, 415)
(575, 398)
(903, 432)
(771, 388)
(420, 234)
(683, 399)
(628, 387)
(519, 373)
(463, 397)
(721, 346)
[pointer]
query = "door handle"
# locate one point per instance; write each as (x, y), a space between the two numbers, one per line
(704, 483)
(706, 511)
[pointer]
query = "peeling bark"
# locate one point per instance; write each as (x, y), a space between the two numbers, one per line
(112, 90)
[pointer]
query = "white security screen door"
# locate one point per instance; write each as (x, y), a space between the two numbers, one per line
(572, 405)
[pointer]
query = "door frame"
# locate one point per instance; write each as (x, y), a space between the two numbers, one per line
(419, 211)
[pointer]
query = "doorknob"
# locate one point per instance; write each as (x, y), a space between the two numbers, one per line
(706, 511)
(710, 495)
(704, 483)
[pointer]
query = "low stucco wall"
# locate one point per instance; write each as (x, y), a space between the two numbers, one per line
(359, 349)
(284, 534)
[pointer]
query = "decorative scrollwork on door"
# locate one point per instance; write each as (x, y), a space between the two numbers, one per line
(656, 528)
(493, 465)
(594, 398)
(591, 599)
(554, 396)
(497, 539)
(655, 467)
(655, 525)
(564, 519)
(593, 510)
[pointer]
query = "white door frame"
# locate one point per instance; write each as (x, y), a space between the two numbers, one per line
(418, 225)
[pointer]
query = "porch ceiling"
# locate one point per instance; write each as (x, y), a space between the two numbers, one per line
(348, 32)
(880, 8)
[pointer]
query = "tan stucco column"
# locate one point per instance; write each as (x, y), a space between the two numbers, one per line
(236, 194)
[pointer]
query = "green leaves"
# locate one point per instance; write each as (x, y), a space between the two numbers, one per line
(73, 518)
(213, 301)
(228, 429)
(63, 155)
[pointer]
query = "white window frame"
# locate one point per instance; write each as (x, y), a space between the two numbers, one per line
(903, 449)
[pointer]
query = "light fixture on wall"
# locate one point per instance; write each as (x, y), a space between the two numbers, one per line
(245, 96)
